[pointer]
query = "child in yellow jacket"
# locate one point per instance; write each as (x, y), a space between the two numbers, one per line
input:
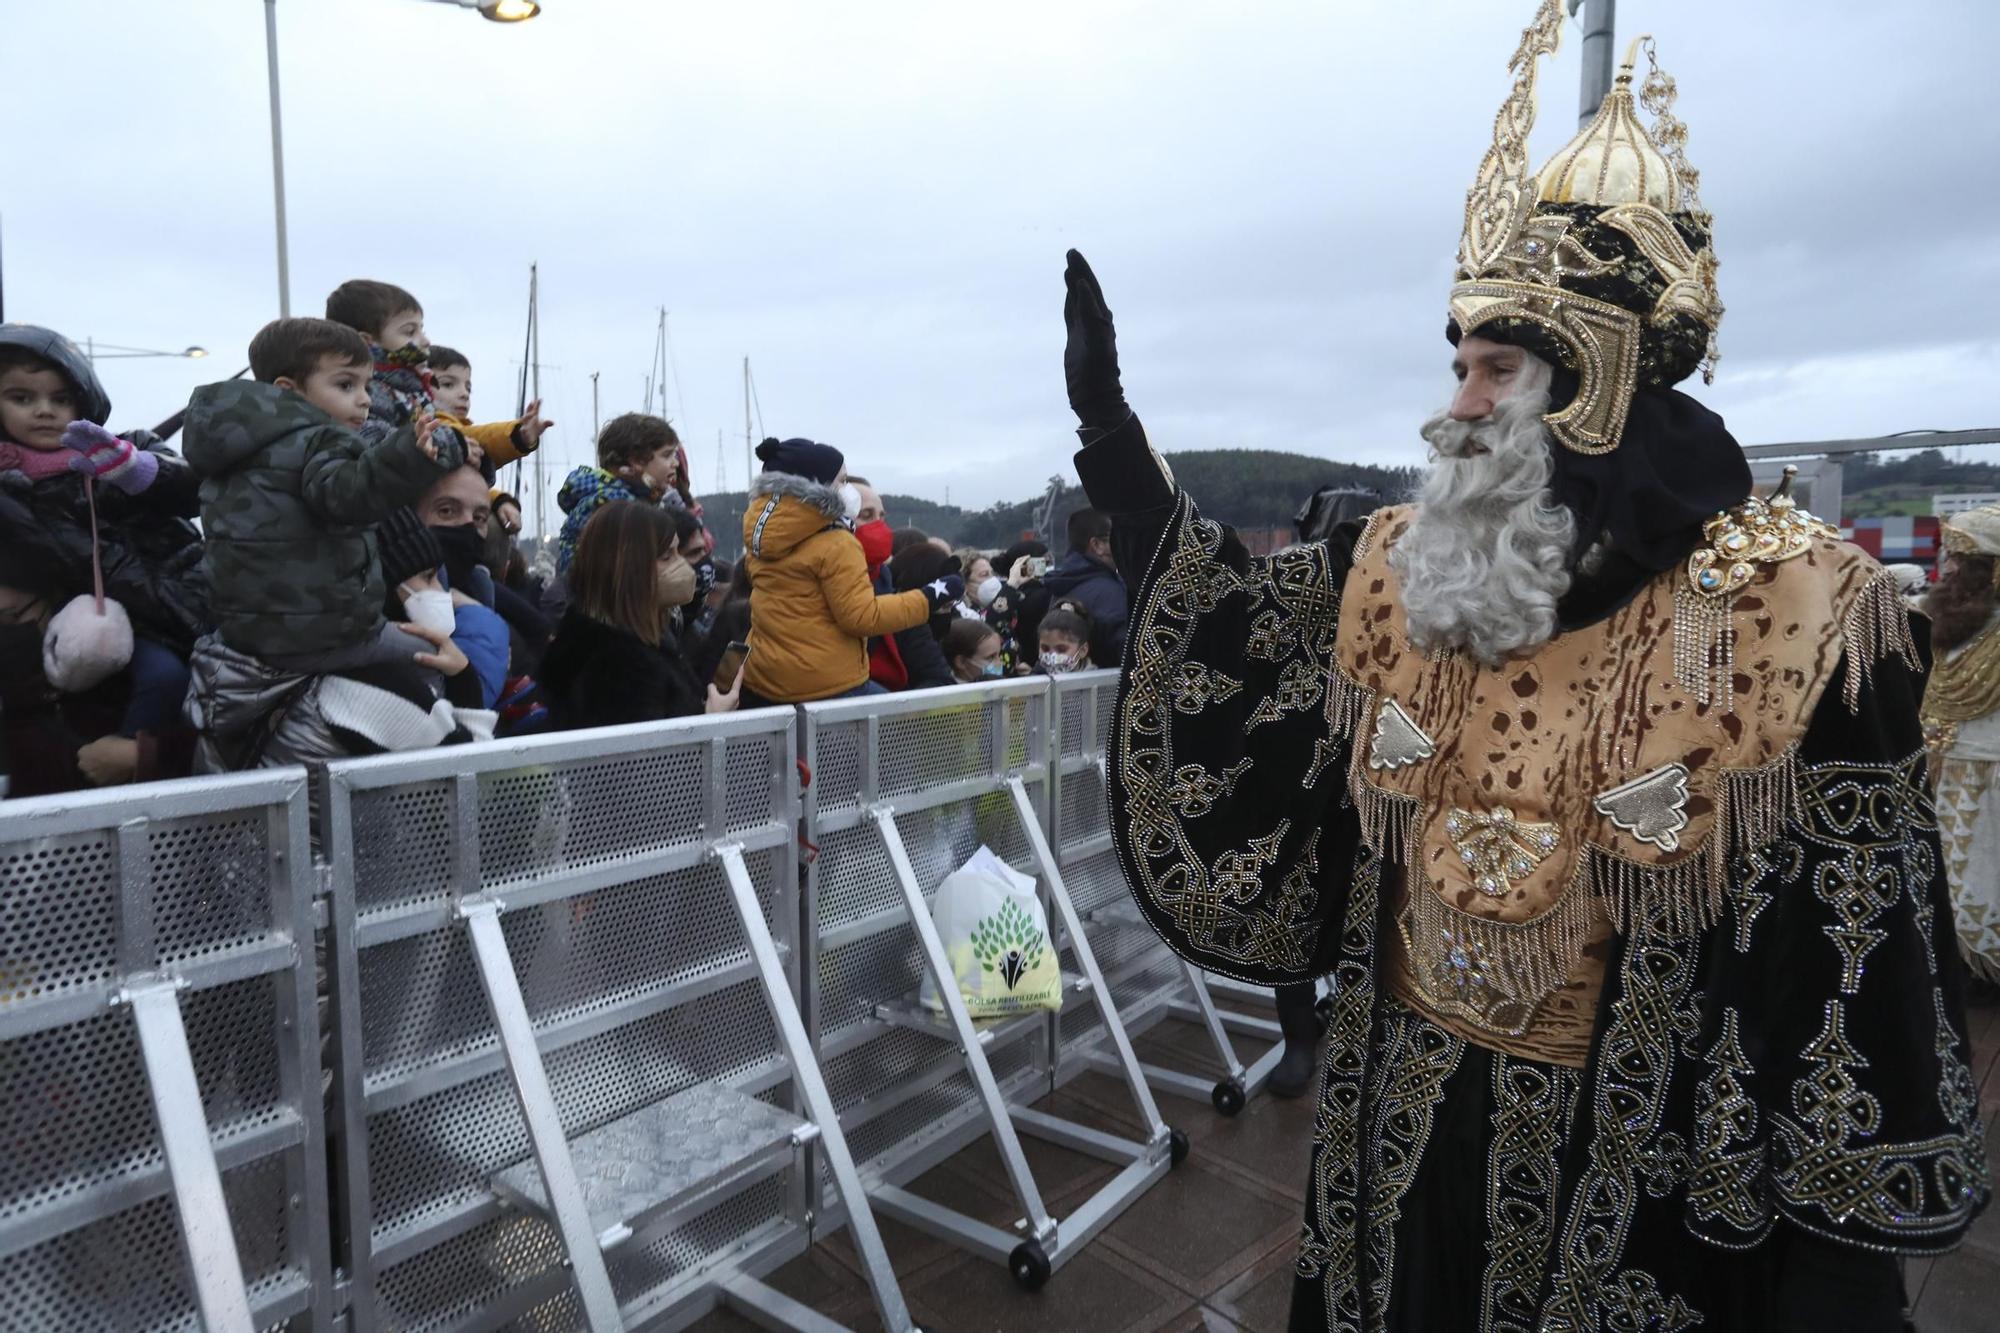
(503, 442)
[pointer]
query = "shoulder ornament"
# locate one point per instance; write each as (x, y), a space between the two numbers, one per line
(1736, 545)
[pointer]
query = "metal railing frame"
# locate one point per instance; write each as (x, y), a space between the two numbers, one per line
(191, 1161)
(1017, 781)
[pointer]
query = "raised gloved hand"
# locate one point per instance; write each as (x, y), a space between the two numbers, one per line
(105, 456)
(943, 592)
(1090, 359)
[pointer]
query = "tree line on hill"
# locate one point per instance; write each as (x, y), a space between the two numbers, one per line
(1246, 488)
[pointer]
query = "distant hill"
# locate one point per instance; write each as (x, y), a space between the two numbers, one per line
(1247, 488)
(1874, 488)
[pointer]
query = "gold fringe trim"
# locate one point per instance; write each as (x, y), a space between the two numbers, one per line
(1678, 900)
(1523, 961)
(1704, 645)
(1876, 625)
(1348, 704)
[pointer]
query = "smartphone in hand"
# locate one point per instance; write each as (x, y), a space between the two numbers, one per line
(727, 669)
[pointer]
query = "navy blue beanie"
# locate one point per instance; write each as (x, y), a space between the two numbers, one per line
(802, 458)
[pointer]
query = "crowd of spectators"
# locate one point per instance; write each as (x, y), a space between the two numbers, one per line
(327, 568)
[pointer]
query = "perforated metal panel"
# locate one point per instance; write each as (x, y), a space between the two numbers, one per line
(204, 884)
(1139, 968)
(633, 969)
(941, 757)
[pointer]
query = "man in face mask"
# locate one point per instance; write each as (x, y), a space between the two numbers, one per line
(456, 510)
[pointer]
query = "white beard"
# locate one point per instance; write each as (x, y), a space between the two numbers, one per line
(1486, 558)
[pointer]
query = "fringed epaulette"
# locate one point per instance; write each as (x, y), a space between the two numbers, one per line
(1735, 545)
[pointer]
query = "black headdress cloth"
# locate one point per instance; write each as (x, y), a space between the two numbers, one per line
(1676, 466)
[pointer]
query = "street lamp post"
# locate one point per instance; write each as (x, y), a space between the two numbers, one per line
(97, 351)
(278, 160)
(498, 11)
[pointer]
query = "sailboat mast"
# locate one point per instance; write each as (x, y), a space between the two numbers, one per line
(535, 371)
(749, 464)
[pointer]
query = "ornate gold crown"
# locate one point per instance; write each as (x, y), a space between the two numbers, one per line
(1601, 261)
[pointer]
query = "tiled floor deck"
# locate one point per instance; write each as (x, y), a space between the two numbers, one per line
(1210, 1247)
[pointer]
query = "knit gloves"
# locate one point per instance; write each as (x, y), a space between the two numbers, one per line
(944, 592)
(108, 458)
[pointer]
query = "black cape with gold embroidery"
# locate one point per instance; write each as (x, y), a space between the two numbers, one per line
(1750, 1143)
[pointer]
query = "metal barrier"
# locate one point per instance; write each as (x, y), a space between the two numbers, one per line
(594, 1062)
(164, 1162)
(576, 1090)
(1148, 981)
(904, 790)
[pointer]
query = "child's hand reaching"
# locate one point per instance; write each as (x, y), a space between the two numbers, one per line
(108, 458)
(528, 431)
(426, 427)
(475, 453)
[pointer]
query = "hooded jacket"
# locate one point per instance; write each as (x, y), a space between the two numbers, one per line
(814, 608)
(583, 491)
(149, 551)
(288, 498)
(1102, 594)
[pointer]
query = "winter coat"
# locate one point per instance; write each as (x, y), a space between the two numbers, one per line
(151, 553)
(288, 498)
(813, 609)
(495, 438)
(398, 391)
(1102, 594)
(918, 651)
(583, 491)
(41, 729)
(598, 675)
(249, 715)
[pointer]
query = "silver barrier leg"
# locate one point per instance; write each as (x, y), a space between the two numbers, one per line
(211, 1243)
(538, 1109)
(1040, 1225)
(811, 1084)
(1128, 1063)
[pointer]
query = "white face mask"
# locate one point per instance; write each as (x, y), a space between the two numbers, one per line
(989, 588)
(431, 608)
(1057, 664)
(850, 500)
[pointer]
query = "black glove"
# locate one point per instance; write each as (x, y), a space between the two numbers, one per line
(944, 591)
(1090, 360)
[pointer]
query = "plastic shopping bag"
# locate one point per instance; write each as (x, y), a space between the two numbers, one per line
(996, 939)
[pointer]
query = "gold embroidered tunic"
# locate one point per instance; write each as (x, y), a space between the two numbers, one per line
(1717, 995)
(1527, 803)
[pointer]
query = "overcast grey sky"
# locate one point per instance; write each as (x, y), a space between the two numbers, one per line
(872, 199)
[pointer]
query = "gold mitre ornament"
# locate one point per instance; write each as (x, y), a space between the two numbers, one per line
(1602, 261)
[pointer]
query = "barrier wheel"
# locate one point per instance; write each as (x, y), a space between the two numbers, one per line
(1029, 1263)
(1227, 1096)
(1177, 1147)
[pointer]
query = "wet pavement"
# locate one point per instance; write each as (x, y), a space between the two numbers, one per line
(1210, 1246)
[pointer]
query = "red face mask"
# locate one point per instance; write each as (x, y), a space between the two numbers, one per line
(877, 539)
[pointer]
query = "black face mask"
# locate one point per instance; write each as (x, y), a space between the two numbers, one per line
(462, 544)
(704, 583)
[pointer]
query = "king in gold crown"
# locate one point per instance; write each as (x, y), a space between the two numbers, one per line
(1602, 262)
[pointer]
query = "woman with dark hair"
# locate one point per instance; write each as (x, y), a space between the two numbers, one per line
(612, 659)
(972, 647)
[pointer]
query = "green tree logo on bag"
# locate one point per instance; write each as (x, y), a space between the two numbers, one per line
(1008, 943)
